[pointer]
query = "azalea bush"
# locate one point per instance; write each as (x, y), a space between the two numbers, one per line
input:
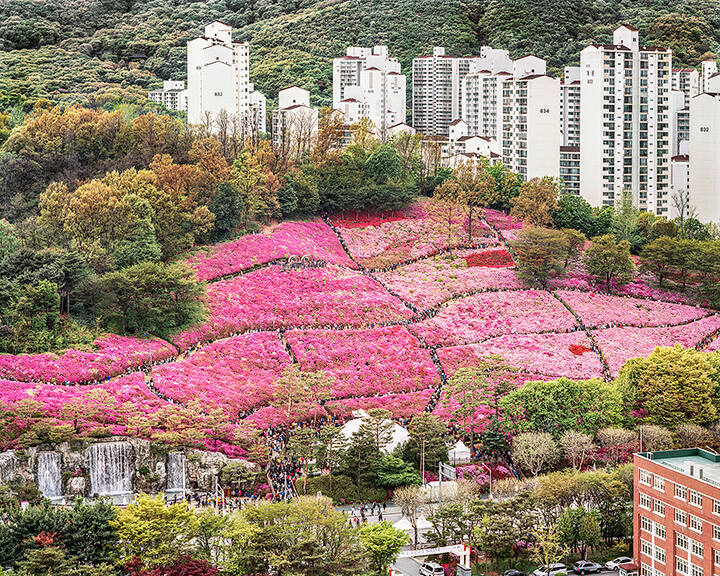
(236, 374)
(482, 316)
(366, 362)
(108, 356)
(314, 239)
(429, 282)
(275, 298)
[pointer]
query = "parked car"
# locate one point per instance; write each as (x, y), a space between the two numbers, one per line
(613, 564)
(586, 567)
(431, 569)
(513, 572)
(551, 570)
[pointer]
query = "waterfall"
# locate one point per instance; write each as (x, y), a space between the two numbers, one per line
(110, 468)
(49, 480)
(176, 466)
(8, 464)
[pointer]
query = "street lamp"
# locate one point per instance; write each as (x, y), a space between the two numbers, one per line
(490, 475)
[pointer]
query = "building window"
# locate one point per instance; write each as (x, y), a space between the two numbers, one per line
(697, 548)
(716, 532)
(645, 477)
(681, 541)
(681, 565)
(660, 531)
(659, 507)
(680, 492)
(646, 524)
(681, 517)
(646, 548)
(659, 554)
(660, 483)
(695, 498)
(695, 570)
(716, 555)
(716, 507)
(695, 523)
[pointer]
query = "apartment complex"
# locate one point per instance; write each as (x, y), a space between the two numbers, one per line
(173, 95)
(218, 77)
(570, 168)
(368, 83)
(258, 109)
(687, 81)
(625, 140)
(437, 85)
(676, 512)
(294, 123)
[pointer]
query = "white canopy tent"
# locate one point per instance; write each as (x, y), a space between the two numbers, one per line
(399, 434)
(459, 454)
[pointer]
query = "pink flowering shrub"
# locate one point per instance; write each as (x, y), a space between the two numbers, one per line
(399, 405)
(428, 282)
(480, 475)
(597, 309)
(620, 344)
(274, 298)
(714, 346)
(502, 221)
(478, 317)
(366, 362)
(236, 374)
(547, 354)
(108, 356)
(314, 239)
(399, 240)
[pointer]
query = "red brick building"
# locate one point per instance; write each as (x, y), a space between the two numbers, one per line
(676, 513)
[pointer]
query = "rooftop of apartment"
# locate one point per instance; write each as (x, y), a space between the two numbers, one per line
(697, 463)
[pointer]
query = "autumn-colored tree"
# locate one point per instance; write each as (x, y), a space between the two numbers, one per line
(537, 200)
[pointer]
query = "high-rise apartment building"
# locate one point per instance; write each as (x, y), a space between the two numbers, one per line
(295, 123)
(570, 106)
(520, 109)
(173, 95)
(708, 69)
(370, 78)
(437, 85)
(625, 139)
(687, 81)
(258, 109)
(218, 76)
(705, 156)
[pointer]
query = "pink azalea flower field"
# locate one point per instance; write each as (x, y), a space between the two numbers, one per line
(429, 282)
(314, 239)
(387, 338)
(482, 316)
(366, 362)
(236, 374)
(273, 298)
(108, 356)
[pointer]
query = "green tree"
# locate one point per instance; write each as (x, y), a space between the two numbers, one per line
(228, 208)
(534, 451)
(670, 387)
(154, 532)
(394, 472)
(382, 543)
(659, 256)
(540, 254)
(150, 297)
(579, 529)
(575, 243)
(560, 405)
(46, 561)
(428, 435)
(609, 260)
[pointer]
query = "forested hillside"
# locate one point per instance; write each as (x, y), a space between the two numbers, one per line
(96, 50)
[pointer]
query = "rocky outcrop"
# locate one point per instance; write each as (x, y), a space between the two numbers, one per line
(103, 470)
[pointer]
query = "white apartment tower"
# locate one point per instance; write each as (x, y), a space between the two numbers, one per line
(704, 161)
(258, 109)
(687, 81)
(625, 135)
(570, 106)
(437, 85)
(218, 75)
(520, 109)
(371, 79)
(173, 95)
(709, 68)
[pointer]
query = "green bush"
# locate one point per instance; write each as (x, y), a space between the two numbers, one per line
(343, 489)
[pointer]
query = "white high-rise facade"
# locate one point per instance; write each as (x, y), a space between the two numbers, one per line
(709, 69)
(704, 161)
(218, 75)
(520, 109)
(625, 133)
(437, 85)
(370, 83)
(570, 106)
(173, 95)
(295, 123)
(687, 81)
